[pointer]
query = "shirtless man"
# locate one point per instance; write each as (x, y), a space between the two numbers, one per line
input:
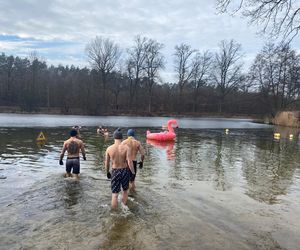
(73, 146)
(136, 147)
(120, 156)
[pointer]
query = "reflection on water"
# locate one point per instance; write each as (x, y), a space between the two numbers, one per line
(72, 193)
(271, 170)
(179, 198)
(168, 146)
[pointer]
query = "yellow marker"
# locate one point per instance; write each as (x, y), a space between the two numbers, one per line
(277, 135)
(40, 144)
(41, 137)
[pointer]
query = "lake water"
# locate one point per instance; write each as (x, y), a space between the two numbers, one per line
(206, 190)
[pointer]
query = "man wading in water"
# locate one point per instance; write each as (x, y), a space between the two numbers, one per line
(136, 147)
(73, 146)
(120, 156)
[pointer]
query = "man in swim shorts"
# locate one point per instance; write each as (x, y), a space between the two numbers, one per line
(73, 146)
(136, 147)
(121, 168)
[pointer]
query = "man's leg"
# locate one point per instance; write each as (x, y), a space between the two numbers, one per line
(132, 177)
(115, 187)
(68, 168)
(125, 185)
(125, 197)
(131, 186)
(68, 174)
(76, 168)
(114, 200)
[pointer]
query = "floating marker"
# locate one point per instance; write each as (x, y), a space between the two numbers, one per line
(226, 131)
(41, 137)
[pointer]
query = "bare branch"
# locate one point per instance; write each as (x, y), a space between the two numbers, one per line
(278, 18)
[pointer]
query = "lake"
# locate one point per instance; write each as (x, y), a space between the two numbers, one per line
(205, 190)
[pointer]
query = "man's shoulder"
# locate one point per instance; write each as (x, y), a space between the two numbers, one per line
(110, 147)
(67, 141)
(137, 142)
(78, 141)
(125, 141)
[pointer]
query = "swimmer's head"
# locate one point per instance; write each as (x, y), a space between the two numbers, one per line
(118, 134)
(73, 132)
(130, 132)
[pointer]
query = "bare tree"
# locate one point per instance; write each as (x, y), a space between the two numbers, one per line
(137, 56)
(103, 55)
(226, 72)
(37, 65)
(278, 17)
(276, 71)
(118, 82)
(184, 66)
(7, 66)
(130, 74)
(201, 66)
(154, 61)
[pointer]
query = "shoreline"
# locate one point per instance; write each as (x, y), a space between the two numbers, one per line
(55, 111)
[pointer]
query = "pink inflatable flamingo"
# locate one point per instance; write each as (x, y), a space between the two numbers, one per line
(166, 135)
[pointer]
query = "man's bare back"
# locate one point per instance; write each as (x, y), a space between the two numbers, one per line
(135, 147)
(118, 154)
(73, 149)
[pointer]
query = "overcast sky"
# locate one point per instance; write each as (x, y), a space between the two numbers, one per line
(59, 30)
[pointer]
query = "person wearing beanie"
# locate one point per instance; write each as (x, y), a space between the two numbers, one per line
(119, 155)
(136, 147)
(73, 146)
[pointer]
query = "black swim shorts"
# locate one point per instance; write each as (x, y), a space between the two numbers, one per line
(119, 177)
(73, 163)
(132, 176)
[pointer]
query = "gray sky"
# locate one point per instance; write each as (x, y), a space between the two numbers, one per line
(59, 30)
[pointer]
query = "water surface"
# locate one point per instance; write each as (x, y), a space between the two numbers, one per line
(206, 190)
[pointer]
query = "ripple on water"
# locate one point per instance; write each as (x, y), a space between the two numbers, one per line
(242, 171)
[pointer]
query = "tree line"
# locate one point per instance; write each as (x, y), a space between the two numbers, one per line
(129, 81)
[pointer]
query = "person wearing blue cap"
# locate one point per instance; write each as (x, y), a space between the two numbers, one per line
(136, 147)
(73, 146)
(120, 155)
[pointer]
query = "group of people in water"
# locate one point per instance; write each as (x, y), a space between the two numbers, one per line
(120, 160)
(102, 131)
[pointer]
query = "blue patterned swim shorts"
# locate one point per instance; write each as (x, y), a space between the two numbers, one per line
(119, 177)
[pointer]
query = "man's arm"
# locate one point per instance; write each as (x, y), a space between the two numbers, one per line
(129, 159)
(106, 164)
(142, 151)
(82, 150)
(107, 161)
(63, 151)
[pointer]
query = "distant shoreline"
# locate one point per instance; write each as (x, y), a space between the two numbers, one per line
(57, 111)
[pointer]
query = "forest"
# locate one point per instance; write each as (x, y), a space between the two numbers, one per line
(128, 81)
